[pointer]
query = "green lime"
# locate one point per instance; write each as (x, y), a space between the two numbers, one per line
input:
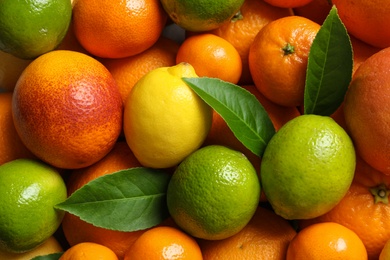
(213, 193)
(29, 28)
(307, 167)
(201, 15)
(29, 190)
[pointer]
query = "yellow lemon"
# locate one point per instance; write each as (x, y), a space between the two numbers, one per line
(164, 120)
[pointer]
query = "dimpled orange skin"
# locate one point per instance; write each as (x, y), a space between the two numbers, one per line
(117, 28)
(67, 109)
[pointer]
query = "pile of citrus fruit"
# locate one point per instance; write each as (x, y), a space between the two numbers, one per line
(194, 129)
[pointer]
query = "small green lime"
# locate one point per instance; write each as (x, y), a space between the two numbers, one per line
(29, 190)
(29, 28)
(307, 167)
(201, 15)
(213, 193)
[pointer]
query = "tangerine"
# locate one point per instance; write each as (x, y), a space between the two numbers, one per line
(326, 240)
(164, 242)
(211, 56)
(243, 27)
(278, 59)
(88, 251)
(118, 29)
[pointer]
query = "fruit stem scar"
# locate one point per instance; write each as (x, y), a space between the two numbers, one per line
(288, 49)
(238, 16)
(380, 193)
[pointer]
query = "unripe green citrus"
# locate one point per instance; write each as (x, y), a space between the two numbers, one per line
(29, 190)
(213, 193)
(307, 167)
(201, 15)
(29, 28)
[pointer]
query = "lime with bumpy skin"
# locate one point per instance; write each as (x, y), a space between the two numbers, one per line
(201, 15)
(307, 167)
(29, 28)
(29, 190)
(213, 193)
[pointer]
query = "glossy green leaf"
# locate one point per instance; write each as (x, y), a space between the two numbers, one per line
(330, 67)
(127, 200)
(240, 109)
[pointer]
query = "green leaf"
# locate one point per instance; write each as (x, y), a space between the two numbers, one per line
(127, 200)
(240, 109)
(54, 256)
(330, 67)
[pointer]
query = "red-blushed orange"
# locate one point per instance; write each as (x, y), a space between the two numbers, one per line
(67, 109)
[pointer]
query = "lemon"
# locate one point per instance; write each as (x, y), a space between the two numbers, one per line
(213, 193)
(201, 15)
(29, 190)
(164, 120)
(307, 167)
(29, 28)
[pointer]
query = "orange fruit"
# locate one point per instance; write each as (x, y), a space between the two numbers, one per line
(244, 26)
(117, 29)
(361, 52)
(164, 243)
(266, 236)
(315, 10)
(327, 240)
(288, 3)
(88, 251)
(366, 20)
(278, 59)
(365, 208)
(77, 230)
(10, 69)
(211, 56)
(67, 109)
(127, 71)
(366, 110)
(11, 147)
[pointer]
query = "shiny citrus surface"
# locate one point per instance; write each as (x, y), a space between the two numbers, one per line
(31, 28)
(164, 242)
(164, 120)
(67, 109)
(327, 240)
(307, 167)
(29, 190)
(213, 193)
(200, 15)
